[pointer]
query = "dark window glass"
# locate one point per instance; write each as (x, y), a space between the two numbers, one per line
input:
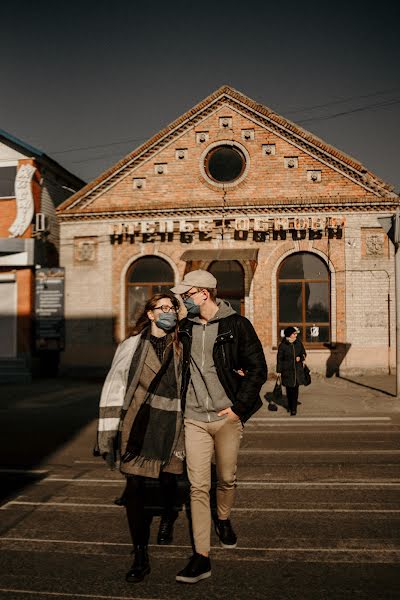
(290, 302)
(225, 163)
(304, 301)
(7, 181)
(317, 302)
(147, 276)
(303, 266)
(149, 269)
(230, 277)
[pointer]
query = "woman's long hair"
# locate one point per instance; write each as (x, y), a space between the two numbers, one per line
(144, 321)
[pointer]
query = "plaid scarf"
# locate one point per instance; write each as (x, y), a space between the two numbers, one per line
(157, 427)
(156, 433)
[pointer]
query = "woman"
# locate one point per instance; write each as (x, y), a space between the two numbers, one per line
(290, 359)
(141, 422)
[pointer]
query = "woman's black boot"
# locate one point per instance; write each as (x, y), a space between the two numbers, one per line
(166, 529)
(140, 567)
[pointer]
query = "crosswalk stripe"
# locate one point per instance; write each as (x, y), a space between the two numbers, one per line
(216, 548)
(317, 509)
(68, 595)
(321, 419)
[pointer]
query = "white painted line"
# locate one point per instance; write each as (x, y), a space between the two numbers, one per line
(75, 595)
(24, 471)
(248, 483)
(75, 504)
(89, 462)
(253, 509)
(318, 484)
(266, 510)
(239, 548)
(78, 542)
(319, 510)
(270, 423)
(83, 480)
(335, 432)
(302, 452)
(318, 419)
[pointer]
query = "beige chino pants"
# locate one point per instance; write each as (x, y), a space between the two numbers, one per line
(201, 441)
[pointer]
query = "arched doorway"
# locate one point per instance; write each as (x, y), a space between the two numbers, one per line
(230, 277)
(304, 297)
(147, 276)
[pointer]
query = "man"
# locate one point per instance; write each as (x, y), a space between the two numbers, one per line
(222, 374)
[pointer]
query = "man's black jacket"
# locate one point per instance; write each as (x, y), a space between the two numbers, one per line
(236, 347)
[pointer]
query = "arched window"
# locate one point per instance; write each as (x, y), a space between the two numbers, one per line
(230, 277)
(304, 297)
(147, 276)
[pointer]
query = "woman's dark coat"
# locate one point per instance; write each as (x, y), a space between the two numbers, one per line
(292, 372)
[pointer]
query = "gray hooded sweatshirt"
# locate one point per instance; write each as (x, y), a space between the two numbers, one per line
(206, 395)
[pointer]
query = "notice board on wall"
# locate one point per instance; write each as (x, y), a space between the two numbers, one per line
(49, 308)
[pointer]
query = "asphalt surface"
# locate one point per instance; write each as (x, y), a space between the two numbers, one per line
(317, 511)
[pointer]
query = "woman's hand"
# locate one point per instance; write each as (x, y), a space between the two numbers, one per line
(297, 358)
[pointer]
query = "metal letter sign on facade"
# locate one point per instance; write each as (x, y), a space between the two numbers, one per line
(260, 228)
(49, 309)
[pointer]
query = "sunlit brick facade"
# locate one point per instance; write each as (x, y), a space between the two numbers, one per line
(287, 223)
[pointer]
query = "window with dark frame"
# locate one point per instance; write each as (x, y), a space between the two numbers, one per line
(230, 277)
(147, 276)
(225, 164)
(304, 298)
(7, 182)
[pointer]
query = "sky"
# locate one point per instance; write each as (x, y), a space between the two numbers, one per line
(88, 81)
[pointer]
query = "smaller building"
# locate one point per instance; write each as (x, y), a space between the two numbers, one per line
(32, 185)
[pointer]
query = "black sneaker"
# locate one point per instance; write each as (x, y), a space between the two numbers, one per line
(198, 568)
(224, 531)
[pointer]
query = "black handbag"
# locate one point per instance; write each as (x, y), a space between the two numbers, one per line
(307, 375)
(277, 391)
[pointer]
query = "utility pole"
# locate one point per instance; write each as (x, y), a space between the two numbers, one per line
(392, 227)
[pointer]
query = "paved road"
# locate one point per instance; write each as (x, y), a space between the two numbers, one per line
(317, 512)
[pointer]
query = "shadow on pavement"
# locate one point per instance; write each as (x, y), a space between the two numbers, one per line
(386, 386)
(38, 419)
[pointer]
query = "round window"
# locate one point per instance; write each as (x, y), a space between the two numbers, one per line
(224, 164)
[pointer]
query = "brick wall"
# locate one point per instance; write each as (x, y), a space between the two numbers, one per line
(361, 268)
(268, 179)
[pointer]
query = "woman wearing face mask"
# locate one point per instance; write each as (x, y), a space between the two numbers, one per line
(141, 424)
(290, 359)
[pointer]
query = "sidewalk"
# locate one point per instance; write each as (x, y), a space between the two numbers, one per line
(372, 395)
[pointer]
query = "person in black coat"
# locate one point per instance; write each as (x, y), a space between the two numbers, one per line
(290, 359)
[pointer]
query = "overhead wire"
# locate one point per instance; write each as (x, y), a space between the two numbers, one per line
(286, 112)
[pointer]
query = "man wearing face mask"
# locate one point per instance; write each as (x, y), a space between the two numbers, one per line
(223, 369)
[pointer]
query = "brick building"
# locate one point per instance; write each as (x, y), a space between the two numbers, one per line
(31, 187)
(286, 222)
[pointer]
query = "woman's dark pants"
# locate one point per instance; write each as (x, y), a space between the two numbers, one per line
(140, 508)
(292, 394)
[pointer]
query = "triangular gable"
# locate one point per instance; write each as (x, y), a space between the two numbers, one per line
(259, 113)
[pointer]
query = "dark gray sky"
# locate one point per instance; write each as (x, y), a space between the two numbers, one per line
(89, 81)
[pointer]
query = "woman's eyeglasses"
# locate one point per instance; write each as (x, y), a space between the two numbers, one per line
(165, 308)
